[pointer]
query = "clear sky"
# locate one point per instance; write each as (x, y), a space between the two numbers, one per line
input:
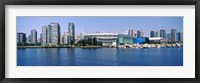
(92, 24)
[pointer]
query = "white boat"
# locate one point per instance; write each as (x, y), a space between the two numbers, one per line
(158, 46)
(146, 46)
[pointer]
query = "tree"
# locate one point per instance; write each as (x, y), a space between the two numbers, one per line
(99, 43)
(94, 41)
(84, 42)
(89, 41)
(147, 40)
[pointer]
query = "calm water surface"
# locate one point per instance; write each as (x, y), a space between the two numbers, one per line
(99, 57)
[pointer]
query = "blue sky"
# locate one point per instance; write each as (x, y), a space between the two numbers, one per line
(92, 24)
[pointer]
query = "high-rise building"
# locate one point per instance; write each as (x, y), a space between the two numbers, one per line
(157, 34)
(21, 38)
(41, 38)
(44, 35)
(34, 36)
(163, 33)
(71, 31)
(65, 37)
(79, 37)
(152, 34)
(53, 33)
(49, 34)
(130, 32)
(140, 33)
(168, 37)
(173, 35)
(29, 38)
(61, 39)
(180, 36)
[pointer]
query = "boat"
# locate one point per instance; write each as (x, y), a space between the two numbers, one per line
(158, 46)
(146, 46)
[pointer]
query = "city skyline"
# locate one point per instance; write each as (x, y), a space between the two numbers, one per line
(92, 24)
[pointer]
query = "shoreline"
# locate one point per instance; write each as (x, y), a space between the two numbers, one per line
(63, 47)
(89, 47)
(177, 45)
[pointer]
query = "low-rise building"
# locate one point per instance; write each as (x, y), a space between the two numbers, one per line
(124, 39)
(157, 40)
(107, 39)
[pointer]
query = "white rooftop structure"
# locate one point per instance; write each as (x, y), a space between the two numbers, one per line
(103, 34)
(107, 39)
(155, 38)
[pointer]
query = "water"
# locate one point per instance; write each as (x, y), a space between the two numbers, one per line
(99, 57)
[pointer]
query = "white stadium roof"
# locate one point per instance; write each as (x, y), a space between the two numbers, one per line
(155, 38)
(103, 34)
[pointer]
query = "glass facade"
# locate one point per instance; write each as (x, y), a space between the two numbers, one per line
(55, 33)
(71, 31)
(130, 32)
(44, 34)
(139, 40)
(33, 36)
(173, 35)
(180, 36)
(163, 33)
(140, 34)
(152, 34)
(107, 39)
(124, 39)
(65, 38)
(21, 38)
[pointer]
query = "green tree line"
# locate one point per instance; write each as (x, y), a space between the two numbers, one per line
(89, 42)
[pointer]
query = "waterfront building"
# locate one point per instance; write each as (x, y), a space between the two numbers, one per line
(140, 34)
(152, 34)
(173, 35)
(65, 37)
(71, 31)
(168, 37)
(41, 38)
(55, 33)
(49, 34)
(38, 40)
(156, 40)
(107, 39)
(78, 37)
(124, 39)
(44, 35)
(61, 39)
(82, 35)
(21, 38)
(180, 36)
(29, 38)
(163, 33)
(34, 36)
(157, 34)
(130, 32)
(139, 40)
